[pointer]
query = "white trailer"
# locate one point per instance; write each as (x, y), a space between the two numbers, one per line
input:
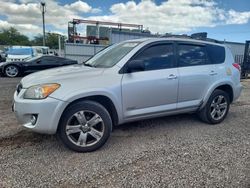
(81, 52)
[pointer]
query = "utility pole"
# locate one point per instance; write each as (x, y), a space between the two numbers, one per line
(43, 9)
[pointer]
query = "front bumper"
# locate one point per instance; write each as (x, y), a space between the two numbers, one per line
(48, 112)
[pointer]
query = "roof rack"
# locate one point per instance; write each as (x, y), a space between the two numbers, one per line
(195, 36)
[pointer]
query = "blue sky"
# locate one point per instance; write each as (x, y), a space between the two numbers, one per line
(235, 32)
(222, 19)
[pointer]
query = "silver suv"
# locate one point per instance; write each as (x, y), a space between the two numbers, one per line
(125, 82)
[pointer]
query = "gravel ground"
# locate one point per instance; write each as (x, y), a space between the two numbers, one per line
(176, 151)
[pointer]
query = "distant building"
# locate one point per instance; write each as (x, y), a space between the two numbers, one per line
(102, 36)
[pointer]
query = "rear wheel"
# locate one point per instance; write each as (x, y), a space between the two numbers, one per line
(11, 71)
(216, 108)
(85, 126)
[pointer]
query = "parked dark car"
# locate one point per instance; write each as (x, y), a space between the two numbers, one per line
(18, 68)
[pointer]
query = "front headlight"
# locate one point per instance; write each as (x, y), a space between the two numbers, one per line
(40, 91)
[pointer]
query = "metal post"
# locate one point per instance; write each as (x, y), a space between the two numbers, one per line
(59, 45)
(97, 30)
(75, 33)
(43, 9)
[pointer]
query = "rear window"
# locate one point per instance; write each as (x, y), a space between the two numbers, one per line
(216, 54)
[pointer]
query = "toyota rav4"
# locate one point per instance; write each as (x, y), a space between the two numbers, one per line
(129, 81)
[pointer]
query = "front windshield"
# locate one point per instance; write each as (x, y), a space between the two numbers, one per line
(20, 51)
(111, 55)
(33, 58)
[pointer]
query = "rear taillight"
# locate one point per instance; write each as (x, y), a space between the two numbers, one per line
(237, 66)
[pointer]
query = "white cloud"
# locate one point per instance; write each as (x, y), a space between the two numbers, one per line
(26, 28)
(81, 6)
(27, 12)
(176, 16)
(237, 17)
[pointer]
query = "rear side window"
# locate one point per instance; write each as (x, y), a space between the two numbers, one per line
(216, 54)
(191, 55)
(159, 56)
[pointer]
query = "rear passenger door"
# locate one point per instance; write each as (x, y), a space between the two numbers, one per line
(195, 74)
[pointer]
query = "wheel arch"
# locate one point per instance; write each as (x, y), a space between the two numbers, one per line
(224, 86)
(228, 89)
(101, 99)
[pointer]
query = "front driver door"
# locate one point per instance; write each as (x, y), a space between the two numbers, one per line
(153, 90)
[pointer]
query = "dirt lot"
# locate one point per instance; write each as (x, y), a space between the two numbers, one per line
(176, 151)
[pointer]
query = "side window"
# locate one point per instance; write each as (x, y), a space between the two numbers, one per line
(156, 57)
(49, 59)
(191, 55)
(216, 54)
(44, 59)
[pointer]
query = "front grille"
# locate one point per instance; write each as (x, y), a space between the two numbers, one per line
(18, 88)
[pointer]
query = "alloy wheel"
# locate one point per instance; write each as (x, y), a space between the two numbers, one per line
(85, 128)
(11, 71)
(218, 107)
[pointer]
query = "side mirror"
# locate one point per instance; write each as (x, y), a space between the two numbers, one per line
(135, 65)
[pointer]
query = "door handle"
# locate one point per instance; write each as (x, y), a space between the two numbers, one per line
(213, 73)
(172, 77)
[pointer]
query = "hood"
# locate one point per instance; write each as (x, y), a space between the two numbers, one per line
(61, 75)
(6, 63)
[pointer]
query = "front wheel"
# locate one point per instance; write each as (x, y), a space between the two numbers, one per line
(12, 71)
(85, 126)
(216, 108)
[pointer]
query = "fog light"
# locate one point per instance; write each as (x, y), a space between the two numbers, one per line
(33, 119)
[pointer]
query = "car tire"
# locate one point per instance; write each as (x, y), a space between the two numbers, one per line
(92, 126)
(216, 108)
(11, 71)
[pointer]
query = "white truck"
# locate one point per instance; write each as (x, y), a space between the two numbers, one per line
(20, 53)
(23, 53)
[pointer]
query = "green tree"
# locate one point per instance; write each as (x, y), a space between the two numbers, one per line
(51, 40)
(38, 40)
(12, 36)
